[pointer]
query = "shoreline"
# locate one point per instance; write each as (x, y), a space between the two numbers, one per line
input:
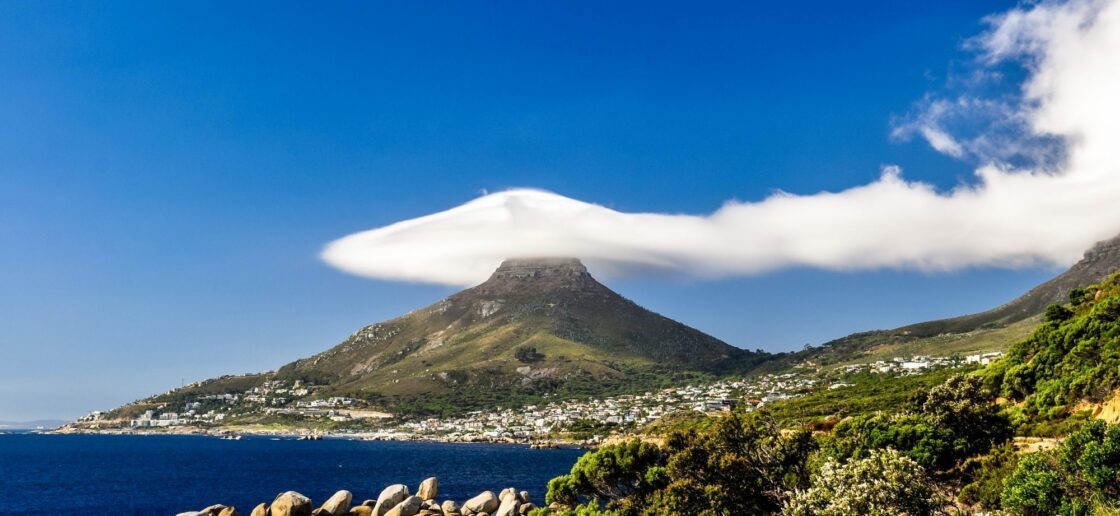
(304, 434)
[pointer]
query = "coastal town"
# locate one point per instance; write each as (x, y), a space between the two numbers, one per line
(594, 418)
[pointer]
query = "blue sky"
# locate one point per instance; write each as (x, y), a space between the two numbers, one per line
(169, 174)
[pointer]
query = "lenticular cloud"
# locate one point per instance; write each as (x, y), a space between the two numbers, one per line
(1007, 217)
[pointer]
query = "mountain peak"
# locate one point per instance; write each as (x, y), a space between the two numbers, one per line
(516, 268)
(522, 277)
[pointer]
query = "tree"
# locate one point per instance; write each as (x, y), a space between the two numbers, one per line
(744, 465)
(884, 483)
(619, 475)
(962, 405)
(527, 354)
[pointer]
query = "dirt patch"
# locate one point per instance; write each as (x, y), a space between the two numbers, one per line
(1107, 411)
(1035, 444)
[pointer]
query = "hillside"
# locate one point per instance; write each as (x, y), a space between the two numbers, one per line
(990, 330)
(1072, 359)
(539, 327)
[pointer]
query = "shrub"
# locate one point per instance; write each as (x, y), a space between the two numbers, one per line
(883, 483)
(1080, 477)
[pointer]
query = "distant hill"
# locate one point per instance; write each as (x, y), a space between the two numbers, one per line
(31, 425)
(537, 327)
(989, 330)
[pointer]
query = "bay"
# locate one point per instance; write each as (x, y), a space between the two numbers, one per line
(168, 474)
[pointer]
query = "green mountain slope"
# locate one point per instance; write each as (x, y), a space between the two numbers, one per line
(1073, 356)
(992, 330)
(535, 325)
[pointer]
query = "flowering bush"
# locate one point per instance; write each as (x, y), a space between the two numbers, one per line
(884, 483)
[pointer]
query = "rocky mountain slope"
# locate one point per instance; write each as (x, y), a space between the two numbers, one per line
(535, 324)
(989, 330)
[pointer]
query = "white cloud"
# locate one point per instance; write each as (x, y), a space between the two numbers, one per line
(1009, 217)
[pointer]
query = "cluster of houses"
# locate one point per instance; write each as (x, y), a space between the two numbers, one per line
(905, 366)
(623, 411)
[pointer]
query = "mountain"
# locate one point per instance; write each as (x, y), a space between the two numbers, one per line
(993, 329)
(535, 328)
(535, 325)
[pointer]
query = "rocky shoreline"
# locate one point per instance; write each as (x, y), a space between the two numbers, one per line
(395, 500)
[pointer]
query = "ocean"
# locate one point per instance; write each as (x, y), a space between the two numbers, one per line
(157, 475)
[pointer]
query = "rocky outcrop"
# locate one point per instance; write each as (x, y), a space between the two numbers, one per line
(394, 500)
(389, 498)
(290, 503)
(449, 507)
(408, 507)
(486, 502)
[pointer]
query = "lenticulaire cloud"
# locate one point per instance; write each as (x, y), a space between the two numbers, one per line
(1009, 217)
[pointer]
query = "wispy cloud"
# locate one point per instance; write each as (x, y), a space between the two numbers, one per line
(1065, 123)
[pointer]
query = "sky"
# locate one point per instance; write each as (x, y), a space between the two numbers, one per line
(174, 177)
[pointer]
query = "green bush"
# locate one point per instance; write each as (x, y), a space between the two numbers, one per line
(985, 476)
(1081, 476)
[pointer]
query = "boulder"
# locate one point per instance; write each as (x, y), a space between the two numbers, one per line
(486, 501)
(449, 507)
(290, 503)
(508, 492)
(429, 489)
(524, 497)
(338, 504)
(214, 510)
(526, 508)
(321, 512)
(509, 507)
(361, 510)
(260, 510)
(369, 503)
(228, 511)
(409, 507)
(389, 498)
(192, 513)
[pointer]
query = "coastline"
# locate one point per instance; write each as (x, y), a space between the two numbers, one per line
(307, 434)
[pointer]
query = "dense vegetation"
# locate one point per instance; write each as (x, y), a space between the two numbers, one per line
(950, 448)
(1074, 355)
(919, 445)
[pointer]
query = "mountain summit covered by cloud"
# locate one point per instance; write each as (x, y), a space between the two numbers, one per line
(1046, 211)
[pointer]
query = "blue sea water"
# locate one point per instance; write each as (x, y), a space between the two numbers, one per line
(156, 475)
